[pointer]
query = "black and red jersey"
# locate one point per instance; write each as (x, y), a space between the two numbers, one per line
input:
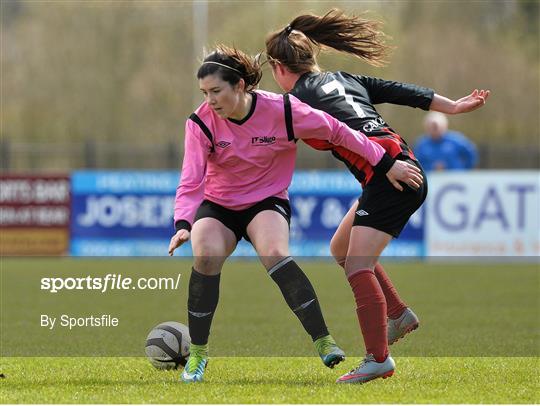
(350, 99)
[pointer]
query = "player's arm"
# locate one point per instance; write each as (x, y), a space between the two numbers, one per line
(190, 191)
(309, 123)
(466, 104)
(388, 91)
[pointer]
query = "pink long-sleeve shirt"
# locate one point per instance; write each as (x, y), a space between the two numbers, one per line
(253, 159)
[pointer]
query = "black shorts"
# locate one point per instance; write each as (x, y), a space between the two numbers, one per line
(238, 220)
(385, 208)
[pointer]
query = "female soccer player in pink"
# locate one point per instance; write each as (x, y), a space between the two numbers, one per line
(382, 210)
(238, 163)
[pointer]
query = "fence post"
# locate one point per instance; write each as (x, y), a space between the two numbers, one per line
(89, 154)
(5, 153)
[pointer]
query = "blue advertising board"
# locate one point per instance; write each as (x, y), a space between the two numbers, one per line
(320, 200)
(129, 213)
(487, 214)
(122, 213)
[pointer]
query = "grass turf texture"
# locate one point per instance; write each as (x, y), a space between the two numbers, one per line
(468, 312)
(268, 380)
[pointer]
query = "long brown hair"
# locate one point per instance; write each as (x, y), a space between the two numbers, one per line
(297, 45)
(231, 65)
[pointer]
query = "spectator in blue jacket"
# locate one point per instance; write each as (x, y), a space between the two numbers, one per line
(440, 149)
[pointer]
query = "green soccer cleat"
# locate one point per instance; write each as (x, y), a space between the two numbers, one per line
(329, 352)
(196, 363)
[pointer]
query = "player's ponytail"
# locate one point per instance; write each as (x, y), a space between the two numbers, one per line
(232, 65)
(297, 45)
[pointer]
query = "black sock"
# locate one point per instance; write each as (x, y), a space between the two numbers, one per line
(300, 296)
(202, 303)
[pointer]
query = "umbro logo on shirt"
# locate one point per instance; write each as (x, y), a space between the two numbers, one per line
(362, 213)
(223, 144)
(257, 141)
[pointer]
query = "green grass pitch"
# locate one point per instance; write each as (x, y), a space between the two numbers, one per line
(478, 341)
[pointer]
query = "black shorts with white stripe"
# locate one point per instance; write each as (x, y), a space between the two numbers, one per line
(385, 208)
(238, 220)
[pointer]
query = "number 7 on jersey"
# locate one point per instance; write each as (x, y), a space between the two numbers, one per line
(335, 85)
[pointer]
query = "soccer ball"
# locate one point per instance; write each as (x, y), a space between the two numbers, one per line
(167, 345)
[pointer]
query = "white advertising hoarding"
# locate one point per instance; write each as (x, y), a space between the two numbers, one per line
(483, 213)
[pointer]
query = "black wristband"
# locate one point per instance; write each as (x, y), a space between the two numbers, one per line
(384, 164)
(182, 225)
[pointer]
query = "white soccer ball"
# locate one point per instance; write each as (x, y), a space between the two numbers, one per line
(167, 345)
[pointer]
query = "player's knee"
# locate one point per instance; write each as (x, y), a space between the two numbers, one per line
(356, 263)
(208, 259)
(338, 251)
(208, 265)
(272, 255)
(278, 252)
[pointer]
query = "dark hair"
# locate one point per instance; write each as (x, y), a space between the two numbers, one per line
(297, 45)
(232, 65)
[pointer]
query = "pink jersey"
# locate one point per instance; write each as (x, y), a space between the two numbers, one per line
(236, 164)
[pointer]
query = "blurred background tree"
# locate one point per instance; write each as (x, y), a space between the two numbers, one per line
(114, 74)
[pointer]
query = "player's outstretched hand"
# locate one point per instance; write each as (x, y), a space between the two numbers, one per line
(178, 239)
(406, 173)
(471, 102)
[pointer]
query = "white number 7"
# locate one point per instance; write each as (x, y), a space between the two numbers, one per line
(335, 85)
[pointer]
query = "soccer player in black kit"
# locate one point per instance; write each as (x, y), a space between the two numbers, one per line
(384, 207)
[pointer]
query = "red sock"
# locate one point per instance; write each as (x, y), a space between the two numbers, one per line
(395, 306)
(371, 312)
